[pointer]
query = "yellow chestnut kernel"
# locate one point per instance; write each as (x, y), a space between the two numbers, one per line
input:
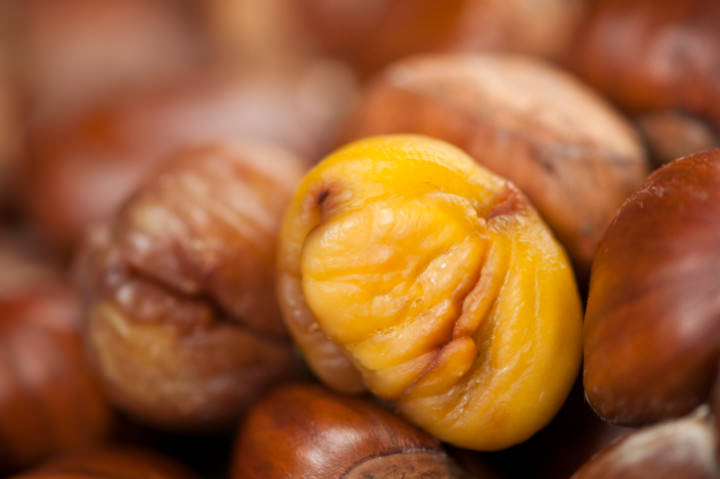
(407, 269)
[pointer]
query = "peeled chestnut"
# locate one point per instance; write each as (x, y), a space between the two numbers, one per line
(302, 431)
(49, 401)
(408, 270)
(74, 52)
(110, 462)
(182, 321)
(680, 448)
(372, 34)
(563, 146)
(653, 311)
(658, 59)
(81, 169)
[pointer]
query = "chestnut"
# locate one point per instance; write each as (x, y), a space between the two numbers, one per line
(407, 269)
(73, 52)
(182, 321)
(110, 462)
(301, 431)
(49, 402)
(680, 448)
(653, 312)
(657, 57)
(370, 35)
(82, 168)
(563, 146)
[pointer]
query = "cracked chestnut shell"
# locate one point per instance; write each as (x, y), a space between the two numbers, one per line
(82, 168)
(680, 448)
(562, 145)
(49, 403)
(407, 269)
(301, 431)
(653, 309)
(182, 321)
(110, 462)
(659, 60)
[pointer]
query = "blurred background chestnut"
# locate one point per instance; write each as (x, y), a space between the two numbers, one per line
(660, 61)
(301, 431)
(49, 403)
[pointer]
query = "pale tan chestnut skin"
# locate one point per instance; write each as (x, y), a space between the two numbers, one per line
(406, 269)
(81, 168)
(110, 462)
(50, 402)
(659, 60)
(560, 143)
(653, 312)
(679, 448)
(182, 321)
(301, 431)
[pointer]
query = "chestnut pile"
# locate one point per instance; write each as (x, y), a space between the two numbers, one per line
(361, 239)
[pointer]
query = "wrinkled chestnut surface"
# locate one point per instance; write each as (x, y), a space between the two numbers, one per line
(302, 431)
(110, 462)
(371, 34)
(49, 401)
(655, 56)
(564, 147)
(681, 448)
(653, 310)
(83, 167)
(407, 269)
(183, 324)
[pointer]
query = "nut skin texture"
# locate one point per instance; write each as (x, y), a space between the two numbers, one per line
(50, 402)
(655, 57)
(182, 321)
(301, 431)
(110, 462)
(81, 168)
(407, 269)
(563, 146)
(680, 448)
(653, 309)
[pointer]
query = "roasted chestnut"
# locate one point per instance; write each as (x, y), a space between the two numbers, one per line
(182, 321)
(657, 58)
(83, 168)
(563, 146)
(407, 269)
(49, 402)
(302, 431)
(110, 462)
(653, 311)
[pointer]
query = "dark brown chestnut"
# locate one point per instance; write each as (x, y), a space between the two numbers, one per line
(49, 402)
(302, 431)
(574, 157)
(110, 462)
(81, 169)
(680, 448)
(182, 321)
(657, 57)
(653, 312)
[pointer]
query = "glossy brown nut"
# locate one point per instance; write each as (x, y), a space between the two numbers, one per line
(83, 168)
(680, 448)
(49, 401)
(183, 324)
(654, 55)
(372, 34)
(302, 431)
(562, 145)
(110, 462)
(653, 312)
(72, 53)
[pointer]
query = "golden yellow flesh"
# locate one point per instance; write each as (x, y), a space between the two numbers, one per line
(437, 283)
